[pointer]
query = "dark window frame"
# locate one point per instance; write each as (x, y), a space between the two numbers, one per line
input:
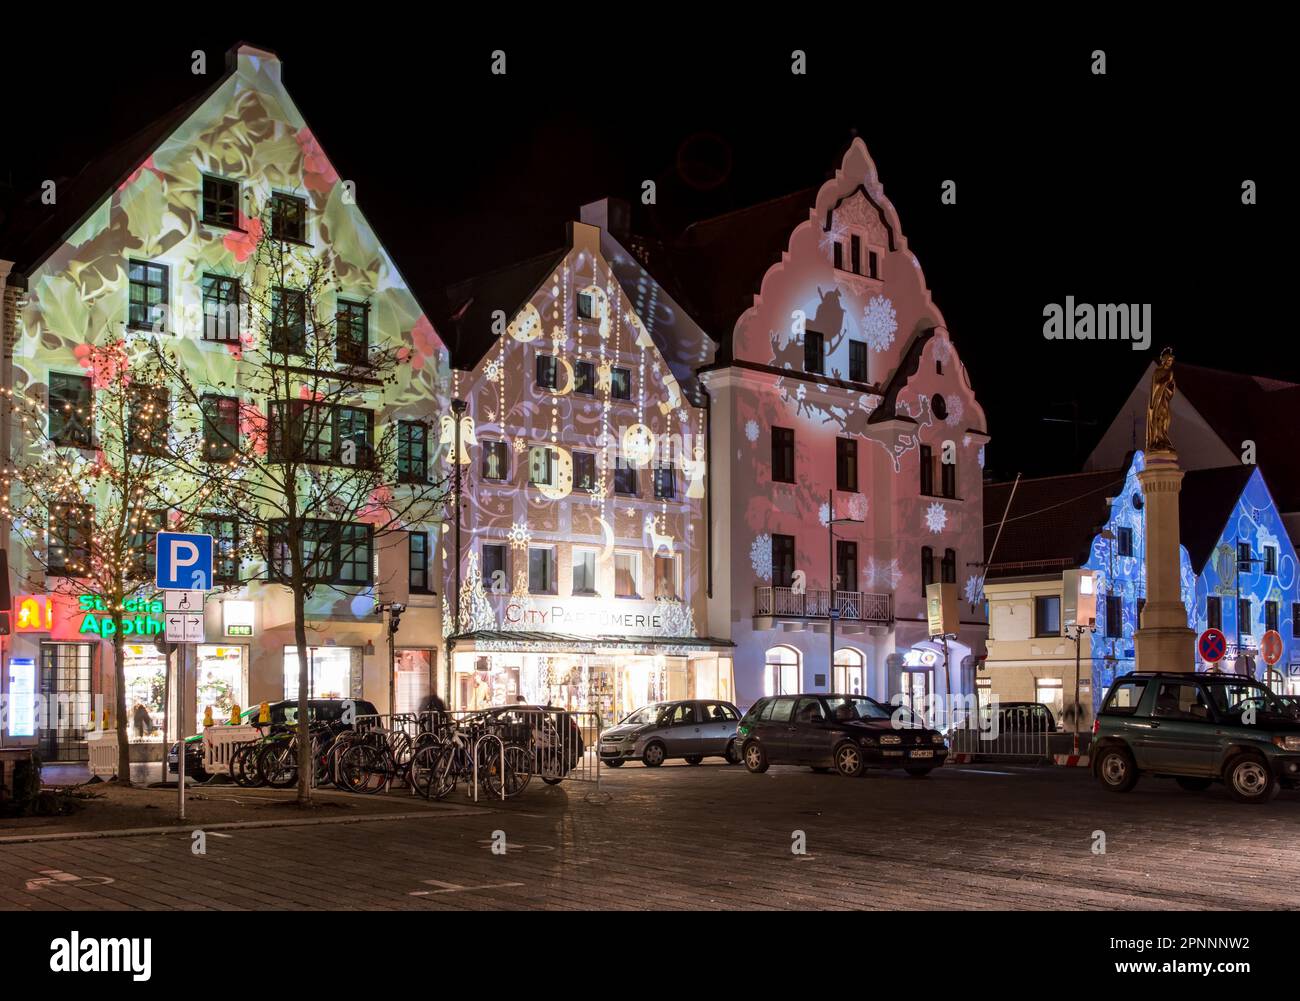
(783, 462)
(217, 328)
(225, 561)
(412, 452)
(218, 203)
(138, 313)
(846, 464)
(220, 430)
(349, 349)
(581, 460)
(72, 430)
(322, 446)
(332, 540)
(70, 536)
(814, 352)
(417, 577)
(857, 361)
(784, 555)
(665, 482)
(288, 321)
(142, 439)
(546, 374)
(1042, 601)
(295, 219)
(551, 567)
(501, 449)
(620, 383)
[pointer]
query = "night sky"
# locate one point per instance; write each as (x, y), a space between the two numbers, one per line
(1122, 188)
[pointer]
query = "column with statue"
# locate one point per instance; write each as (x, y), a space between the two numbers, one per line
(1163, 641)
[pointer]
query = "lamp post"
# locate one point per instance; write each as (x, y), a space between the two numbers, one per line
(458, 410)
(1242, 565)
(1079, 629)
(833, 610)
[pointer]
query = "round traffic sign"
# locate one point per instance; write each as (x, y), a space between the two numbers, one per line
(1212, 645)
(1270, 647)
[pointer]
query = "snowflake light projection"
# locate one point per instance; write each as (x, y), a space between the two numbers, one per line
(981, 457)
(824, 515)
(880, 574)
(879, 321)
(858, 507)
(942, 350)
(936, 518)
(493, 370)
(760, 556)
(974, 590)
(519, 535)
(955, 410)
(751, 431)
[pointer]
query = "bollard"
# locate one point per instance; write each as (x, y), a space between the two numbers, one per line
(264, 713)
(207, 717)
(234, 714)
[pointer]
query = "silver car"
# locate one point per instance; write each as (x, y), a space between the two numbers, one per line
(692, 729)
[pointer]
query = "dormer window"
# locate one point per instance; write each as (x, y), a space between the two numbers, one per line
(586, 306)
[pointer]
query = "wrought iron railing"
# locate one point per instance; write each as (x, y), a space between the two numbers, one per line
(815, 603)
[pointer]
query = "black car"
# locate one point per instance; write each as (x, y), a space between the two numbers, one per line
(849, 733)
(283, 713)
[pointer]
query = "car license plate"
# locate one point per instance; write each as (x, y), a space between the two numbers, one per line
(923, 754)
(608, 748)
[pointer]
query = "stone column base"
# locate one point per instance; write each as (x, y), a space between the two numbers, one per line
(1165, 648)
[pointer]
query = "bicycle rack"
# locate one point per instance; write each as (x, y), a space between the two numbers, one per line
(474, 752)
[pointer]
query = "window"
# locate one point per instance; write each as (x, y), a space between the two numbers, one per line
(323, 433)
(288, 218)
(146, 434)
(625, 478)
(620, 383)
(873, 264)
(1125, 541)
(948, 479)
(782, 455)
(783, 560)
(352, 432)
(1114, 616)
(839, 256)
(813, 344)
(1213, 612)
(1270, 615)
(288, 321)
(584, 470)
(412, 452)
(1244, 558)
(220, 427)
(546, 371)
(1047, 615)
(69, 532)
(927, 471)
(948, 568)
(1125, 698)
(584, 571)
(846, 464)
(541, 571)
(1295, 618)
(494, 562)
(855, 254)
(352, 332)
(584, 378)
(220, 308)
(1270, 559)
(147, 302)
(417, 562)
(541, 466)
(665, 576)
(781, 677)
(858, 361)
(144, 541)
(665, 483)
(809, 711)
(225, 541)
(627, 574)
(220, 202)
(586, 305)
(927, 567)
(70, 413)
(496, 460)
(1243, 615)
(1180, 701)
(1048, 691)
(846, 565)
(333, 552)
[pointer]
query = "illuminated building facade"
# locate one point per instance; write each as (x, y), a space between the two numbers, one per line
(163, 224)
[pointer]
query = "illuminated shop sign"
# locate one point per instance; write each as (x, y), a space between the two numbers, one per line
(592, 617)
(36, 613)
(238, 617)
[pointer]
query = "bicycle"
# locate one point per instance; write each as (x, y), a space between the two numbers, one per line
(437, 767)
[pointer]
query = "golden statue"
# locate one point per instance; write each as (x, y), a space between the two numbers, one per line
(1162, 397)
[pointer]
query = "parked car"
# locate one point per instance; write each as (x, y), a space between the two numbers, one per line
(283, 713)
(557, 747)
(849, 733)
(692, 729)
(1196, 728)
(1013, 717)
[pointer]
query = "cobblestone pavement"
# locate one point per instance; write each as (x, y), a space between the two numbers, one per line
(717, 837)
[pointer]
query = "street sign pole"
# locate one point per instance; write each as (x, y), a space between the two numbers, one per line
(180, 730)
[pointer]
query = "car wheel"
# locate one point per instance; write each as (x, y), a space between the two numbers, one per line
(848, 759)
(1116, 770)
(612, 762)
(732, 755)
(1250, 780)
(1193, 784)
(654, 754)
(918, 773)
(693, 759)
(555, 782)
(755, 757)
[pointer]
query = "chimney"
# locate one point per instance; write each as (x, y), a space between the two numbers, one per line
(263, 60)
(613, 215)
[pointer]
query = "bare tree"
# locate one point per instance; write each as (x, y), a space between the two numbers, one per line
(313, 466)
(92, 484)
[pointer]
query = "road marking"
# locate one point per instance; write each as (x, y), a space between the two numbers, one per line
(456, 887)
(491, 844)
(55, 877)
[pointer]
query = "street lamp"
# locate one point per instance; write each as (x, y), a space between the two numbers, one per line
(833, 610)
(1242, 564)
(458, 409)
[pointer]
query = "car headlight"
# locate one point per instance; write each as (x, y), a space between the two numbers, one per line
(1287, 743)
(936, 738)
(892, 738)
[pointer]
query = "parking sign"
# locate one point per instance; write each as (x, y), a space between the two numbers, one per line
(184, 562)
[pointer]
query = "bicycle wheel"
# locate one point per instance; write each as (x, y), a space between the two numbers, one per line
(238, 764)
(278, 763)
(400, 744)
(322, 774)
(493, 772)
(362, 769)
(518, 770)
(433, 771)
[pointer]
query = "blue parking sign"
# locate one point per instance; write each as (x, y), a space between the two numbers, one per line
(184, 562)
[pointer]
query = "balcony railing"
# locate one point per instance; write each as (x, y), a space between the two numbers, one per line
(815, 603)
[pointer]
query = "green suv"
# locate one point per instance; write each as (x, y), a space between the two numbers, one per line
(1197, 728)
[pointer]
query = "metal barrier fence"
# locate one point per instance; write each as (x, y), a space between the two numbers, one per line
(220, 743)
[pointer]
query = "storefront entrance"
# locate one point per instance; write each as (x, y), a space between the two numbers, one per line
(66, 703)
(413, 673)
(335, 672)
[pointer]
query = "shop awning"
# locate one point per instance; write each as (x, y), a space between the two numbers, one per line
(527, 641)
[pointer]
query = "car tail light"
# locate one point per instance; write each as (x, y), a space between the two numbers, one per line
(1096, 727)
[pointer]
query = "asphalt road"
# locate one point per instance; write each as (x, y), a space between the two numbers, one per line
(716, 837)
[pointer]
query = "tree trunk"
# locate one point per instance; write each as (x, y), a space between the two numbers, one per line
(119, 696)
(304, 723)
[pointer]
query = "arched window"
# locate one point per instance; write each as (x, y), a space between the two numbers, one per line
(781, 671)
(849, 678)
